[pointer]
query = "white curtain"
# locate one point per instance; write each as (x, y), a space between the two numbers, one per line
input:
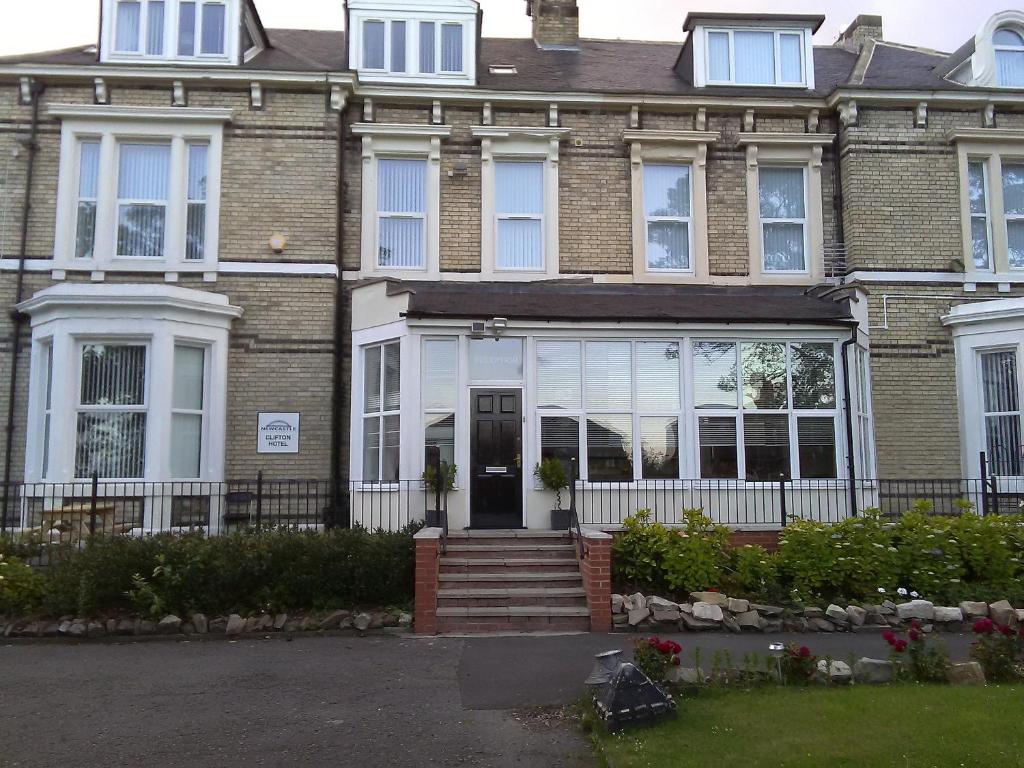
(187, 419)
(715, 374)
(1011, 68)
(195, 234)
(427, 47)
(519, 201)
(755, 57)
(667, 190)
(790, 58)
(187, 29)
(398, 46)
(718, 56)
(143, 177)
(155, 27)
(559, 374)
(451, 48)
(979, 214)
(212, 41)
(609, 375)
(657, 381)
(129, 17)
(782, 197)
(373, 44)
(401, 205)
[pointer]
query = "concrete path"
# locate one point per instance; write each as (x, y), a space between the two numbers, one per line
(391, 701)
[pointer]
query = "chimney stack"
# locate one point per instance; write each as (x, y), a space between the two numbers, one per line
(556, 23)
(862, 29)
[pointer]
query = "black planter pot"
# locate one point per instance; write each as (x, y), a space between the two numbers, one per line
(560, 519)
(433, 518)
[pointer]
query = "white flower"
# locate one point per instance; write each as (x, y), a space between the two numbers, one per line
(914, 594)
(902, 592)
(881, 590)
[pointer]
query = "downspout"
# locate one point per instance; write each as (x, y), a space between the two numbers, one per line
(18, 319)
(850, 462)
(339, 401)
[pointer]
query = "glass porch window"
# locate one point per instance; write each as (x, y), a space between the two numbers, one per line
(981, 227)
(401, 213)
(1013, 210)
(1002, 413)
(783, 218)
(658, 402)
(88, 196)
(440, 382)
(111, 413)
(381, 413)
(187, 411)
(519, 206)
(143, 180)
(608, 375)
(667, 212)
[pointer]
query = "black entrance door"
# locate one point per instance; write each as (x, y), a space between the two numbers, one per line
(496, 495)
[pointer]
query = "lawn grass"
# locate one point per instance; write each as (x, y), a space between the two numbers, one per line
(909, 726)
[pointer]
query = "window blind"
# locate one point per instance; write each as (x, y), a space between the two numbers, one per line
(143, 178)
(451, 47)
(657, 382)
(129, 19)
(609, 372)
(155, 27)
(213, 28)
(373, 44)
(559, 377)
(755, 57)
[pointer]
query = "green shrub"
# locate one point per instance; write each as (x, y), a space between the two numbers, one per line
(696, 556)
(244, 572)
(21, 588)
(638, 554)
(754, 573)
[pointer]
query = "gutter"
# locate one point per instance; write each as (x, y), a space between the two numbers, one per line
(339, 511)
(19, 318)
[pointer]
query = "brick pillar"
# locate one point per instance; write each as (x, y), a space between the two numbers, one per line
(596, 568)
(428, 550)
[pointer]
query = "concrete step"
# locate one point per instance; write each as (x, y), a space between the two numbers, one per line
(513, 619)
(509, 565)
(500, 598)
(521, 611)
(517, 549)
(519, 580)
(505, 534)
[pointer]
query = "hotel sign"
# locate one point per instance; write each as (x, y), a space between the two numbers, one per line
(278, 433)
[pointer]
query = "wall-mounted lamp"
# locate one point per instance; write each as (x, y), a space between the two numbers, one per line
(500, 325)
(278, 242)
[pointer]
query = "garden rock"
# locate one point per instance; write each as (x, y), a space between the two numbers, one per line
(667, 616)
(235, 625)
(689, 622)
(771, 626)
(766, 610)
(968, 673)
(973, 610)
(362, 621)
(750, 620)
(620, 619)
(95, 629)
(279, 621)
(64, 626)
(1002, 613)
(916, 609)
(813, 613)
(333, 619)
(618, 602)
(404, 619)
(661, 604)
(795, 624)
(712, 598)
(376, 620)
(856, 615)
(252, 624)
(836, 672)
(730, 623)
(218, 626)
(200, 623)
(686, 608)
(707, 611)
(875, 617)
(636, 615)
(188, 628)
(1020, 615)
(684, 676)
(946, 615)
(635, 601)
(738, 606)
(111, 626)
(77, 629)
(820, 625)
(146, 627)
(872, 671)
(837, 614)
(888, 607)
(169, 625)
(126, 627)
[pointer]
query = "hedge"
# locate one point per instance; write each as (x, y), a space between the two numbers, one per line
(278, 570)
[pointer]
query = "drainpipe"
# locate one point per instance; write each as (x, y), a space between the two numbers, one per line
(851, 466)
(18, 319)
(339, 514)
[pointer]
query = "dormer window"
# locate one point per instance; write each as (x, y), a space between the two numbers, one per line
(756, 57)
(1009, 47)
(179, 31)
(422, 41)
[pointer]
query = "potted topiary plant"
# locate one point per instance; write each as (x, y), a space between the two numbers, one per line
(552, 475)
(429, 478)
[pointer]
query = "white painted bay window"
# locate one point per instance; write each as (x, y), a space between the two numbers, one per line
(188, 409)
(1000, 384)
(138, 195)
(402, 213)
(783, 197)
(381, 413)
(667, 209)
(519, 213)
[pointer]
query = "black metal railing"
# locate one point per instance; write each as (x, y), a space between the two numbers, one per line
(441, 485)
(574, 517)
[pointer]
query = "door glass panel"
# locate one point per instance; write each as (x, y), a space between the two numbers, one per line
(496, 359)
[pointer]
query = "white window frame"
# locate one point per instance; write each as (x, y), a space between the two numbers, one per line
(400, 141)
(780, 149)
(1009, 217)
(986, 216)
(232, 39)
(68, 315)
(997, 48)
(381, 415)
(985, 414)
(702, 56)
(503, 216)
(113, 126)
(865, 430)
(202, 413)
(687, 220)
(404, 216)
(512, 144)
(803, 222)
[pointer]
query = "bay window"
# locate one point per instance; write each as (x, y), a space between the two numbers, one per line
(407, 47)
(170, 29)
(756, 57)
(138, 195)
(667, 217)
(783, 207)
(519, 210)
(428, 61)
(188, 401)
(401, 213)
(1000, 385)
(381, 413)
(451, 48)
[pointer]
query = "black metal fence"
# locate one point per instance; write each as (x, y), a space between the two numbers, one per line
(73, 511)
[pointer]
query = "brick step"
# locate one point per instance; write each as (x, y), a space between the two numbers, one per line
(490, 625)
(538, 551)
(506, 565)
(522, 580)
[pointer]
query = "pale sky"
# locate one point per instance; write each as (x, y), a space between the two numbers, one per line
(941, 24)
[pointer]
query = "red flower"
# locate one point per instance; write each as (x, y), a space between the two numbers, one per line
(712, 589)
(665, 647)
(1004, 629)
(675, 661)
(983, 627)
(899, 646)
(889, 637)
(676, 647)
(805, 652)
(914, 635)
(915, 624)
(653, 642)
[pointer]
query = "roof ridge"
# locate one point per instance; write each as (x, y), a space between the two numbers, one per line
(914, 48)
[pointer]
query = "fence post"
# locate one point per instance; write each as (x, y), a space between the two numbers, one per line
(259, 499)
(92, 502)
(782, 498)
(985, 500)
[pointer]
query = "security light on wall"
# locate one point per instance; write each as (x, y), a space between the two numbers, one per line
(500, 325)
(278, 242)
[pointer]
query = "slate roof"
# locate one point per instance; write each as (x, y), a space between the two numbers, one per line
(894, 66)
(579, 301)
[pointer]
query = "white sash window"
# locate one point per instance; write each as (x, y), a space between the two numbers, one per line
(783, 195)
(519, 203)
(402, 213)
